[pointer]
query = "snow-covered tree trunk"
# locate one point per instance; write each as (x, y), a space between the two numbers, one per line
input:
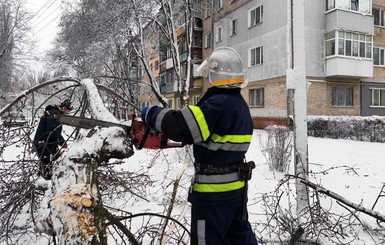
(189, 20)
(297, 81)
(73, 207)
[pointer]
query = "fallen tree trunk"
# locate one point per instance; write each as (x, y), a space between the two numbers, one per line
(73, 209)
(334, 195)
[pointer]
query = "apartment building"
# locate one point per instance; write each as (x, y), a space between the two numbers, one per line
(345, 52)
(373, 89)
(168, 83)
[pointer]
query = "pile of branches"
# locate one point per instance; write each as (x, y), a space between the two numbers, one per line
(320, 225)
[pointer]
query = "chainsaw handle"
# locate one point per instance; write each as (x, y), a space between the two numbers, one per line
(145, 136)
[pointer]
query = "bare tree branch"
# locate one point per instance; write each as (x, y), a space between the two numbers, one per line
(334, 195)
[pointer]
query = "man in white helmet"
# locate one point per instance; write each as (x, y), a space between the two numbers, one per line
(220, 128)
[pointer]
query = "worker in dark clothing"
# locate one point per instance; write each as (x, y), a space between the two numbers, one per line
(48, 137)
(220, 128)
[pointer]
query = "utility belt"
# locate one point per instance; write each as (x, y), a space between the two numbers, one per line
(216, 178)
(244, 169)
(212, 169)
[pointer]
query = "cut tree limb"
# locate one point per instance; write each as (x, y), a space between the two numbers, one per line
(122, 227)
(334, 195)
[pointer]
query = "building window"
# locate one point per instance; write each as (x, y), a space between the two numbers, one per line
(378, 15)
(257, 97)
(330, 4)
(178, 103)
(219, 4)
(363, 6)
(354, 5)
(377, 97)
(219, 34)
(233, 27)
(349, 44)
(255, 16)
(330, 43)
(198, 23)
(342, 96)
(378, 56)
(256, 56)
(197, 41)
(195, 99)
(207, 40)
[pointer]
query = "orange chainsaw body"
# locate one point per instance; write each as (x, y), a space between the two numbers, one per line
(153, 140)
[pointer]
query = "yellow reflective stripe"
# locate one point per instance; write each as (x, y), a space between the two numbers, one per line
(200, 118)
(219, 187)
(228, 81)
(231, 138)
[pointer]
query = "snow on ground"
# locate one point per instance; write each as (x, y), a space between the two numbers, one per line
(354, 170)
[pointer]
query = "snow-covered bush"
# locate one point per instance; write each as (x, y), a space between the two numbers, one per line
(348, 127)
(277, 149)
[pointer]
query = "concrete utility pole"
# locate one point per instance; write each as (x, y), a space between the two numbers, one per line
(296, 83)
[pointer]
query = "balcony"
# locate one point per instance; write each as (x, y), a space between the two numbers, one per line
(340, 66)
(162, 67)
(167, 88)
(349, 20)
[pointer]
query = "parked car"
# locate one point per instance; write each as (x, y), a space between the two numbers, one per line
(14, 120)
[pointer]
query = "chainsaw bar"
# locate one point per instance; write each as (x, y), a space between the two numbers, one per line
(142, 136)
(88, 123)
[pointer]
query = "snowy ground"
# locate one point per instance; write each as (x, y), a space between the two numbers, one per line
(354, 170)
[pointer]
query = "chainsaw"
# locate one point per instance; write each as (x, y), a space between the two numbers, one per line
(141, 135)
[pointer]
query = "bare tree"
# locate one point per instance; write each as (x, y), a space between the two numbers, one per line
(13, 30)
(95, 40)
(172, 19)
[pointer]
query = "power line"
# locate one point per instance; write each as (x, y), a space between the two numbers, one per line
(41, 8)
(45, 18)
(46, 25)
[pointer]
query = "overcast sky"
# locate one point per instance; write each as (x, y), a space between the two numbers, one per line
(46, 15)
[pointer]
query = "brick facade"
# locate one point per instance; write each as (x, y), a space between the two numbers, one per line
(320, 99)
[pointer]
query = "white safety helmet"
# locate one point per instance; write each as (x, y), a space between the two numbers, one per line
(223, 68)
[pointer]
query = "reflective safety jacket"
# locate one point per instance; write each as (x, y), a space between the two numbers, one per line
(219, 127)
(49, 129)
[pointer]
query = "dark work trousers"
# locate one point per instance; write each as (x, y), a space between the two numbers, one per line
(45, 153)
(220, 224)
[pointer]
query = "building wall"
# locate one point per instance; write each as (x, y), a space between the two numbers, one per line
(275, 98)
(367, 110)
(355, 110)
(349, 20)
(207, 28)
(320, 99)
(378, 2)
(316, 94)
(315, 38)
(378, 78)
(271, 34)
(229, 6)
